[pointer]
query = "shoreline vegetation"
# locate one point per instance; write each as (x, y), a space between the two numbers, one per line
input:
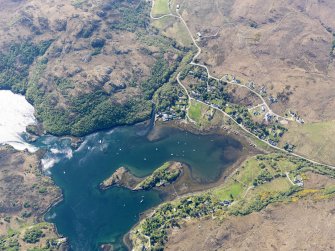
(261, 180)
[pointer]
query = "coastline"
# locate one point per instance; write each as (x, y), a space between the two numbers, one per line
(59, 199)
(200, 189)
(34, 193)
(75, 144)
(196, 187)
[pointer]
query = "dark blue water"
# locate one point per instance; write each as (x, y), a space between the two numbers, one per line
(88, 216)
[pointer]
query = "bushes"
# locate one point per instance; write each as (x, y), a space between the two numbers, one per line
(260, 202)
(164, 174)
(166, 96)
(88, 112)
(9, 243)
(33, 235)
(88, 30)
(85, 113)
(264, 176)
(98, 43)
(132, 17)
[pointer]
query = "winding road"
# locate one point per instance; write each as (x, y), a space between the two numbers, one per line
(230, 82)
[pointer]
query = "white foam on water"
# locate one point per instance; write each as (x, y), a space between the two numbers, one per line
(82, 146)
(55, 155)
(50, 217)
(68, 153)
(47, 163)
(110, 132)
(15, 115)
(55, 150)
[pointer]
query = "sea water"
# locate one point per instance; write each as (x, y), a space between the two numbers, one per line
(90, 217)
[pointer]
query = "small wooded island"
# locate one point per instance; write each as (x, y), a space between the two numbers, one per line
(162, 176)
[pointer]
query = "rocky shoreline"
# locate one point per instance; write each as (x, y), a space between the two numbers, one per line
(26, 196)
(121, 177)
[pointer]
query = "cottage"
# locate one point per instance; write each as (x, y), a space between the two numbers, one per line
(251, 85)
(268, 117)
(298, 181)
(165, 117)
(273, 99)
(225, 203)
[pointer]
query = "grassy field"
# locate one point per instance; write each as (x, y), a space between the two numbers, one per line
(160, 7)
(314, 140)
(274, 166)
(277, 185)
(234, 190)
(195, 111)
(179, 32)
(164, 23)
(175, 29)
(205, 116)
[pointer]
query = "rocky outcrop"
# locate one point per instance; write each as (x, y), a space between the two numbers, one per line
(121, 177)
(162, 176)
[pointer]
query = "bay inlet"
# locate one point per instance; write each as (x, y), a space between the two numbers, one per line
(89, 216)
